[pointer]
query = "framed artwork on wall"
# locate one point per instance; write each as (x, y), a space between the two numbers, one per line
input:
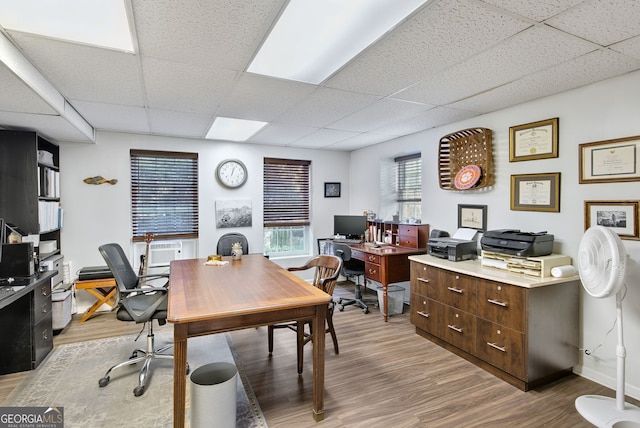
(472, 217)
(619, 216)
(536, 140)
(536, 192)
(331, 190)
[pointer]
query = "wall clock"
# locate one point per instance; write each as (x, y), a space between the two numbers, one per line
(231, 173)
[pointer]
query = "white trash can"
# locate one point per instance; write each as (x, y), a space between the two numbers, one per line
(395, 299)
(213, 395)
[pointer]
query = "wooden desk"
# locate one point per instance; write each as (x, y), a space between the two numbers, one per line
(386, 265)
(245, 293)
(104, 290)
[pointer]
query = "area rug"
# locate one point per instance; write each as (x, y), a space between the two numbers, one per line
(69, 377)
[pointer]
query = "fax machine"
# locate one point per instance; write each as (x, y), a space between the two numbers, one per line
(516, 243)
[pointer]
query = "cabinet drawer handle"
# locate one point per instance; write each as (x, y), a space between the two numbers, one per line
(45, 334)
(455, 290)
(372, 271)
(423, 314)
(499, 348)
(496, 302)
(425, 280)
(454, 328)
(372, 258)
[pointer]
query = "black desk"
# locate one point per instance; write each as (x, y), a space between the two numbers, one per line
(26, 334)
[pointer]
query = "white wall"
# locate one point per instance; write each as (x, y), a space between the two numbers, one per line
(603, 111)
(95, 215)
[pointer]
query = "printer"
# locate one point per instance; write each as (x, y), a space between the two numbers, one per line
(452, 249)
(517, 243)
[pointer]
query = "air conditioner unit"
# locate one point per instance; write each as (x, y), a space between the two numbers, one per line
(161, 253)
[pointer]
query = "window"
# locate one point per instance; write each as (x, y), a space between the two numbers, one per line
(409, 195)
(286, 204)
(164, 194)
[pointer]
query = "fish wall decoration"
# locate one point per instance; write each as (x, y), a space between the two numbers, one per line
(99, 180)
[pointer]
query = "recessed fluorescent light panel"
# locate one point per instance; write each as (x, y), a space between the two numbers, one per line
(101, 23)
(314, 38)
(226, 128)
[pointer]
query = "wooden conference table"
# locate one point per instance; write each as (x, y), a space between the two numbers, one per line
(244, 293)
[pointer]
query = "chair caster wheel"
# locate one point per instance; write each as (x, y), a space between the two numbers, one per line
(341, 308)
(138, 391)
(366, 310)
(134, 354)
(104, 381)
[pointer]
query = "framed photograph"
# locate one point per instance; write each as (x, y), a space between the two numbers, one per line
(472, 217)
(620, 216)
(610, 160)
(331, 190)
(536, 140)
(536, 192)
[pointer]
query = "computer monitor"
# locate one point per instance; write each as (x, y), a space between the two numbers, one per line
(351, 226)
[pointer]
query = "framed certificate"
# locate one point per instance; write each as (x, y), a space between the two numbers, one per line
(536, 192)
(536, 140)
(610, 160)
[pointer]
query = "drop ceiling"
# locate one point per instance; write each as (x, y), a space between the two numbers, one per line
(449, 61)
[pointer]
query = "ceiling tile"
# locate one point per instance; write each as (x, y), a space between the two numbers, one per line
(85, 72)
(379, 114)
(325, 106)
(440, 35)
(263, 98)
(16, 96)
(216, 33)
(629, 47)
(602, 21)
(426, 120)
(181, 87)
(538, 10)
(178, 123)
(322, 138)
(281, 134)
(581, 71)
(111, 116)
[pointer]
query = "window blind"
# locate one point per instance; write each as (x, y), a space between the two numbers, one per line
(286, 196)
(164, 194)
(409, 178)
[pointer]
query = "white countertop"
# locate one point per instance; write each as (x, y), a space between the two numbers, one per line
(475, 268)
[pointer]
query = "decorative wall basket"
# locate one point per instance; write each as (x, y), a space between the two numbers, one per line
(465, 160)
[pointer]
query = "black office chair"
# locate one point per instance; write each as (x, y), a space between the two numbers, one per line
(351, 268)
(137, 304)
(228, 239)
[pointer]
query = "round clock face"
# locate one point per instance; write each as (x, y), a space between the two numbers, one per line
(231, 173)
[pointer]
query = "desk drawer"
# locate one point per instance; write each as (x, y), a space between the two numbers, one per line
(425, 314)
(371, 258)
(408, 241)
(358, 255)
(408, 231)
(424, 280)
(41, 302)
(457, 290)
(372, 271)
(502, 303)
(501, 347)
(458, 328)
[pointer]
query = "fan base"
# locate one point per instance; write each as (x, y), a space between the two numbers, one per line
(603, 412)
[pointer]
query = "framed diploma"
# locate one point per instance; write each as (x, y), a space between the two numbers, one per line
(536, 140)
(619, 216)
(610, 160)
(536, 192)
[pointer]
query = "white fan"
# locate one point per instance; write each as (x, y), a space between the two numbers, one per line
(602, 263)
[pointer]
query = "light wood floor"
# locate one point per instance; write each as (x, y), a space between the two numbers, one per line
(385, 376)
